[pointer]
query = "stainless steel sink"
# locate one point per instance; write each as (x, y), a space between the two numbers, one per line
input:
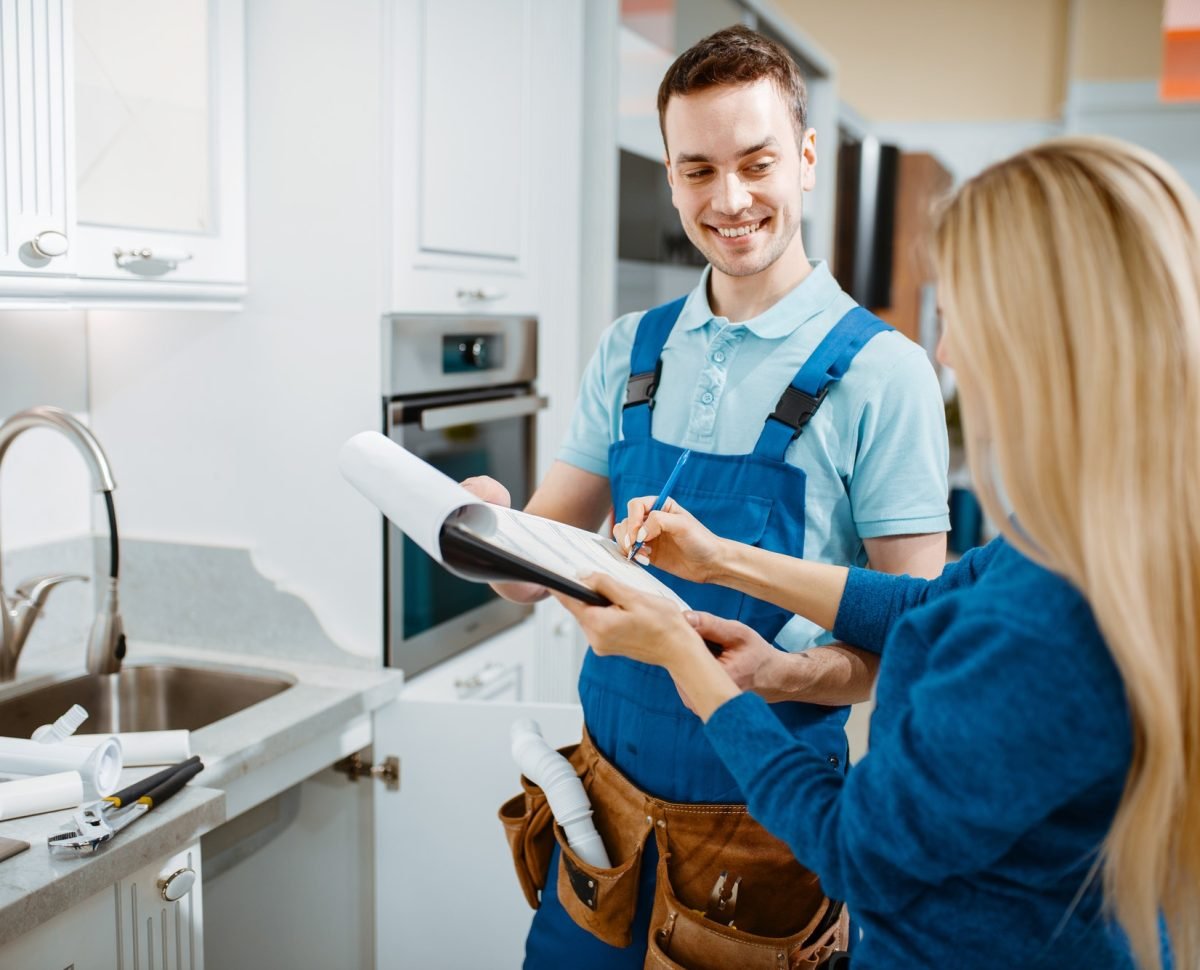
(149, 698)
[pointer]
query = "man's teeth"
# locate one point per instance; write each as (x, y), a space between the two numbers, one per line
(739, 231)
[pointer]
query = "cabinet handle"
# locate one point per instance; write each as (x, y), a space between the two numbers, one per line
(177, 885)
(49, 244)
(481, 294)
(490, 673)
(146, 262)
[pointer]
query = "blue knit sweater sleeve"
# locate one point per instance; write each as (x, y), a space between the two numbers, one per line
(873, 601)
(978, 750)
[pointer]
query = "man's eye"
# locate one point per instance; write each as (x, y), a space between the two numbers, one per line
(697, 174)
(759, 167)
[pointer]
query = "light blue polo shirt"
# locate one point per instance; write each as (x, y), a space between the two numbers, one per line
(875, 452)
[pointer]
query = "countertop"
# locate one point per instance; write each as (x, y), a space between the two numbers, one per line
(248, 757)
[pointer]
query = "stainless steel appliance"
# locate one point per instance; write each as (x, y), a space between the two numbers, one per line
(460, 394)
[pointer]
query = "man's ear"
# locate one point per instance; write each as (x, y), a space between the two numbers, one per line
(808, 151)
(670, 174)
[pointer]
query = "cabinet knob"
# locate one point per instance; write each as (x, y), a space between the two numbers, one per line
(49, 244)
(177, 885)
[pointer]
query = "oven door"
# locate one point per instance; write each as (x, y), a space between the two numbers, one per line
(429, 614)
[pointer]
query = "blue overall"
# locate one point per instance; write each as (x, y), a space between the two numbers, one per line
(632, 710)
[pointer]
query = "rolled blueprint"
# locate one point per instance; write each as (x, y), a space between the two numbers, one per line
(555, 775)
(47, 793)
(142, 747)
(99, 766)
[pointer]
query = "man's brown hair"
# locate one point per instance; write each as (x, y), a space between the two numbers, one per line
(735, 55)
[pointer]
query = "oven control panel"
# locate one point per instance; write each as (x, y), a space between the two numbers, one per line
(472, 352)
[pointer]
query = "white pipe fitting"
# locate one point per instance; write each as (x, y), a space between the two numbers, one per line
(555, 775)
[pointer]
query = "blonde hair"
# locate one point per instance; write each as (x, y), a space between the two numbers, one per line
(1070, 277)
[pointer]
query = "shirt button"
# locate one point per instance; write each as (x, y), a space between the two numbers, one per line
(706, 397)
(719, 357)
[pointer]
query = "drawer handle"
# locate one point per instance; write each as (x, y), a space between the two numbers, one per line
(145, 262)
(481, 294)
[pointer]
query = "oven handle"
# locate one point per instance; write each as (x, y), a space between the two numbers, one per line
(432, 419)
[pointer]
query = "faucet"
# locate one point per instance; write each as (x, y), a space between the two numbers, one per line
(106, 642)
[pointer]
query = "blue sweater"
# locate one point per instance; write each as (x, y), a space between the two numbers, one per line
(999, 747)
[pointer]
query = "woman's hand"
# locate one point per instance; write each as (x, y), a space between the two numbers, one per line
(651, 630)
(674, 539)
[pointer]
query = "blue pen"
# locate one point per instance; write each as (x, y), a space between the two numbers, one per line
(663, 495)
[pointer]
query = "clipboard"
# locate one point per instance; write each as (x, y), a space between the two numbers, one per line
(474, 558)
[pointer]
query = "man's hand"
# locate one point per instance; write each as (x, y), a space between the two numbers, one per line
(747, 658)
(490, 490)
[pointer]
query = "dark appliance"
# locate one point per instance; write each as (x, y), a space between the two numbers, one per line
(460, 395)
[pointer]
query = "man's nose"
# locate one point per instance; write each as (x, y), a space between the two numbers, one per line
(731, 195)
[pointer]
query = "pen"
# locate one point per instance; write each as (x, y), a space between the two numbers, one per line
(663, 495)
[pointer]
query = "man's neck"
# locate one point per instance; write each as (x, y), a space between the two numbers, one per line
(741, 298)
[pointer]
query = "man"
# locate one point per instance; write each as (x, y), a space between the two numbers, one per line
(738, 373)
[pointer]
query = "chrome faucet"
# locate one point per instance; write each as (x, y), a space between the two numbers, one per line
(106, 643)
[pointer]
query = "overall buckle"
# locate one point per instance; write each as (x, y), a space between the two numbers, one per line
(796, 408)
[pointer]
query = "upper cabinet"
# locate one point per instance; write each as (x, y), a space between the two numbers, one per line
(466, 86)
(124, 151)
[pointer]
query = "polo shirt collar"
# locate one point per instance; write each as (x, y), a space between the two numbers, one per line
(814, 294)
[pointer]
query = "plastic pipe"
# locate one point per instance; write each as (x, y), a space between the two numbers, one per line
(63, 728)
(100, 767)
(143, 747)
(555, 775)
(32, 796)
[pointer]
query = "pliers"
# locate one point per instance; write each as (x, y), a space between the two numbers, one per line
(99, 821)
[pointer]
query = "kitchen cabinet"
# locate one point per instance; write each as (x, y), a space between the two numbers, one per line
(471, 89)
(131, 925)
(123, 152)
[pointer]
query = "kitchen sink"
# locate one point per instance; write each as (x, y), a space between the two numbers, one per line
(142, 698)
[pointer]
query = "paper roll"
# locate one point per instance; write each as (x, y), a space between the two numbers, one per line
(143, 747)
(99, 765)
(47, 793)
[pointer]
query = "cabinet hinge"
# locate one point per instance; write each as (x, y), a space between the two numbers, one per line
(355, 767)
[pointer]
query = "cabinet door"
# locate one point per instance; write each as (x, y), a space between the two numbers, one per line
(446, 895)
(154, 930)
(36, 181)
(82, 938)
(158, 140)
(464, 83)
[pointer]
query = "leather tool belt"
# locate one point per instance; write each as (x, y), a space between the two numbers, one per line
(728, 893)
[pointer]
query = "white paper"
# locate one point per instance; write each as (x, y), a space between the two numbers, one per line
(562, 549)
(48, 793)
(415, 496)
(418, 499)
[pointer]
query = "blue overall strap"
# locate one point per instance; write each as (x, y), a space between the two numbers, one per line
(645, 366)
(827, 365)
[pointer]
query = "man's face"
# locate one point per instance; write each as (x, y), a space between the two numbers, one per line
(737, 175)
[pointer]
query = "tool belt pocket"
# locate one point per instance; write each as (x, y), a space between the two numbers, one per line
(684, 938)
(527, 820)
(601, 901)
(687, 940)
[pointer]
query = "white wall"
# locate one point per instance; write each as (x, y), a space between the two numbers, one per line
(224, 427)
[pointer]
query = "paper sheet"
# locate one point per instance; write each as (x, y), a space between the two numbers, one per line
(418, 499)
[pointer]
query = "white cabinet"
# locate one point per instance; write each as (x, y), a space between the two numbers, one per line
(446, 894)
(130, 925)
(469, 92)
(123, 151)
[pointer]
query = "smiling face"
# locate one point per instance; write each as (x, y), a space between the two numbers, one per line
(737, 175)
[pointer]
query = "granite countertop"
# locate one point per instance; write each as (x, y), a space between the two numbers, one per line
(239, 753)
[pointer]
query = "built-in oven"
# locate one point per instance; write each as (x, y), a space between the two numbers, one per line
(461, 395)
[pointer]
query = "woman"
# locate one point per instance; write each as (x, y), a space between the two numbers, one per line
(1036, 736)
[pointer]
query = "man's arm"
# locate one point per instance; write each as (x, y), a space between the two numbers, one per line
(567, 494)
(914, 555)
